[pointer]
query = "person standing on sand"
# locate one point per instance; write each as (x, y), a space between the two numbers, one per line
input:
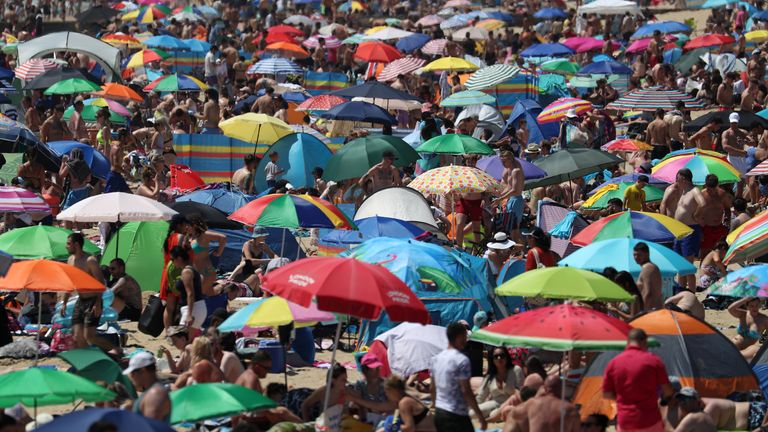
(649, 281)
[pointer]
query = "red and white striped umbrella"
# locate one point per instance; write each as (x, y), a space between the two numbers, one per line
(435, 47)
(321, 103)
(401, 66)
(18, 200)
(330, 41)
(32, 68)
(761, 169)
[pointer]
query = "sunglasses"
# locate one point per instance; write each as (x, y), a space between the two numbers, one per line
(498, 356)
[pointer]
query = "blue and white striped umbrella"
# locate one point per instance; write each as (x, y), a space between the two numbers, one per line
(274, 66)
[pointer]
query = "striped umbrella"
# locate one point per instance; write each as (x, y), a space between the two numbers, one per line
(749, 240)
(700, 165)
(274, 66)
(435, 47)
(467, 97)
(653, 99)
(626, 144)
(145, 56)
(292, 211)
(401, 66)
(652, 227)
(273, 312)
(330, 41)
(429, 20)
(555, 111)
(321, 103)
(32, 68)
(121, 39)
(491, 76)
(761, 169)
(18, 200)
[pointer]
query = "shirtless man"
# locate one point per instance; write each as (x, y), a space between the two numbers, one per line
(243, 178)
(260, 365)
(382, 175)
(706, 137)
(263, 104)
(543, 413)
(127, 302)
(76, 123)
(674, 120)
(54, 128)
(749, 95)
(735, 150)
(714, 214)
(522, 133)
(211, 113)
(681, 201)
(514, 180)
(32, 171)
(649, 281)
(687, 302)
(87, 310)
(730, 415)
(756, 66)
(725, 91)
(657, 133)
(692, 415)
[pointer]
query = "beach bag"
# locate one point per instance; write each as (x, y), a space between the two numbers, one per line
(577, 137)
(151, 319)
(329, 420)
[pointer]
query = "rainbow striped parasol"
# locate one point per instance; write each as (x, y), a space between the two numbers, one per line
(700, 165)
(175, 83)
(556, 110)
(292, 211)
(749, 240)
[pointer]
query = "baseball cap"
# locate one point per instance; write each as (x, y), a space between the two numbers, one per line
(734, 118)
(139, 361)
(259, 232)
(370, 360)
(688, 393)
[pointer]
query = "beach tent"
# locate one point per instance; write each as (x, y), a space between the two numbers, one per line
(488, 118)
(529, 109)
(398, 203)
(103, 53)
(562, 224)
(610, 7)
(299, 154)
(693, 351)
(760, 367)
(141, 247)
(233, 251)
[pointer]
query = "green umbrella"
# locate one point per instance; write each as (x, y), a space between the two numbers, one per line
(466, 98)
(605, 193)
(43, 386)
(456, 144)
(93, 364)
(72, 86)
(568, 164)
(89, 114)
(40, 241)
(141, 247)
(359, 155)
(561, 66)
(11, 167)
(205, 401)
(563, 283)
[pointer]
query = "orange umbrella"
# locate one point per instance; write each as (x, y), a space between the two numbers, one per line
(287, 49)
(119, 92)
(48, 276)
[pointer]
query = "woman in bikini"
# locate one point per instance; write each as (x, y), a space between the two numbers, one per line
(162, 141)
(411, 415)
(752, 325)
(256, 255)
(199, 240)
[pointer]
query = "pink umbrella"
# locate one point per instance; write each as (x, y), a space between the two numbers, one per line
(32, 68)
(330, 41)
(429, 20)
(401, 66)
(642, 44)
(435, 47)
(575, 42)
(458, 3)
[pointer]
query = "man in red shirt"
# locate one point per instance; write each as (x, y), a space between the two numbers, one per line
(633, 379)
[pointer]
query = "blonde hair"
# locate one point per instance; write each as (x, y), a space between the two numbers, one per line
(201, 349)
(394, 382)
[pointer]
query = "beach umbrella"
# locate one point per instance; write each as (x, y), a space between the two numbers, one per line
(273, 312)
(429, 20)
(605, 68)
(450, 64)
(563, 283)
(300, 154)
(664, 27)
(165, 42)
(493, 166)
(651, 227)
(123, 420)
(196, 45)
(749, 281)
(413, 42)
(718, 3)
(351, 6)
(93, 364)
(761, 16)
(35, 387)
(547, 50)
(556, 111)
(287, 49)
(491, 24)
(40, 241)
(654, 98)
(560, 65)
(453, 22)
(601, 196)
(114, 107)
(116, 207)
(320, 103)
(376, 52)
(569, 164)
(380, 94)
(435, 47)
(409, 348)
(491, 76)
(274, 66)
(471, 33)
(140, 245)
(176, 83)
(146, 56)
(550, 14)
(48, 276)
(224, 199)
(748, 240)
(454, 179)
(746, 120)
(72, 86)
(147, 14)
(125, 6)
(15, 138)
(32, 68)
(618, 252)
(119, 92)
(355, 158)
(89, 115)
(760, 169)
(756, 36)
(212, 216)
(286, 29)
(467, 97)
(122, 39)
(683, 342)
(292, 211)
(193, 403)
(641, 45)
(632, 177)
(709, 41)
(96, 160)
(563, 327)
(18, 200)
(626, 145)
(97, 14)
(381, 226)
(398, 67)
(700, 166)
(255, 128)
(274, 38)
(389, 33)
(330, 42)
(359, 111)
(456, 144)
(189, 15)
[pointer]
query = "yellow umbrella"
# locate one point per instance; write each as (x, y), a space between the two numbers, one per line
(449, 64)
(490, 24)
(373, 30)
(757, 36)
(255, 128)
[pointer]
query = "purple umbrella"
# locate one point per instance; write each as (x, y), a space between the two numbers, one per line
(492, 165)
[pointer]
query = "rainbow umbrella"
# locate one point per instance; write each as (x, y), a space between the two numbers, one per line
(653, 227)
(700, 165)
(121, 39)
(749, 240)
(555, 111)
(113, 106)
(454, 179)
(273, 312)
(627, 145)
(696, 151)
(175, 83)
(147, 14)
(292, 211)
(749, 281)
(654, 98)
(145, 56)
(610, 191)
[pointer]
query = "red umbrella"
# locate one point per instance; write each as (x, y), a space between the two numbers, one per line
(377, 52)
(710, 40)
(184, 179)
(347, 286)
(321, 103)
(275, 37)
(286, 29)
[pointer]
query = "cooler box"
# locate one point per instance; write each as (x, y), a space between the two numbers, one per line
(276, 353)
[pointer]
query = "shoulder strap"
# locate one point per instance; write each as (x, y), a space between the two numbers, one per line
(536, 257)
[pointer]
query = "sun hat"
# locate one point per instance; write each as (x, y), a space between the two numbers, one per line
(571, 113)
(371, 361)
(501, 241)
(533, 148)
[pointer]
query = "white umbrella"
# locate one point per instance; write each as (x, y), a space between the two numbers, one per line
(330, 28)
(299, 20)
(391, 104)
(411, 347)
(117, 207)
(475, 33)
(389, 33)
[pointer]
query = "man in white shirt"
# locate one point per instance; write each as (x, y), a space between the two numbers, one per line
(210, 65)
(272, 171)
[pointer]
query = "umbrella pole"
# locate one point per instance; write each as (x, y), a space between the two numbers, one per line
(256, 144)
(282, 244)
(39, 326)
(333, 362)
(562, 395)
(285, 366)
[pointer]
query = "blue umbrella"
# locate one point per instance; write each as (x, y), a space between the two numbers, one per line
(761, 15)
(671, 56)
(300, 153)
(550, 14)
(360, 112)
(546, 50)
(196, 45)
(166, 42)
(500, 16)
(663, 26)
(633, 178)
(605, 68)
(125, 421)
(6, 74)
(413, 42)
(221, 198)
(375, 90)
(99, 164)
(617, 253)
(373, 227)
(455, 21)
(717, 3)
(290, 96)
